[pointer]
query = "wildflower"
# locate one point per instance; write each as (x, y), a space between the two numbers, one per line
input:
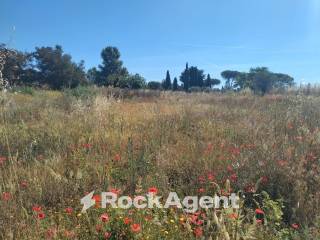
(107, 235)
(198, 232)
(264, 179)
(295, 226)
(127, 220)
(97, 199)
(36, 208)
(259, 221)
(117, 157)
(259, 211)
(233, 216)
(235, 151)
(69, 210)
(153, 190)
(193, 218)
(208, 149)
(148, 218)
(199, 222)
(115, 191)
(104, 217)
(23, 184)
(69, 234)
(51, 233)
(211, 177)
(201, 179)
(135, 227)
(98, 228)
(234, 177)
(2, 160)
(224, 193)
(6, 196)
(282, 163)
(250, 189)
(230, 169)
(201, 190)
(86, 145)
(41, 215)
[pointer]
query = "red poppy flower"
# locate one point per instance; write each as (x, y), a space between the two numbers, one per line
(234, 177)
(282, 163)
(107, 235)
(2, 160)
(69, 210)
(211, 177)
(230, 168)
(153, 190)
(24, 184)
(97, 199)
(98, 228)
(115, 191)
(235, 151)
(104, 217)
(201, 179)
(198, 232)
(135, 227)
(117, 157)
(51, 233)
(6, 196)
(250, 189)
(127, 220)
(233, 216)
(264, 179)
(259, 211)
(259, 221)
(201, 190)
(295, 226)
(36, 208)
(41, 216)
(193, 218)
(69, 234)
(87, 145)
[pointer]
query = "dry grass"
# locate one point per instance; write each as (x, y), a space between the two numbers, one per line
(55, 148)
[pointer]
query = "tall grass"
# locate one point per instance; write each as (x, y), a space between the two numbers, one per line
(57, 146)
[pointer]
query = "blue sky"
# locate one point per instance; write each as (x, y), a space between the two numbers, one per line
(155, 36)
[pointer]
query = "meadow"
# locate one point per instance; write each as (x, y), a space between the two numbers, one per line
(56, 147)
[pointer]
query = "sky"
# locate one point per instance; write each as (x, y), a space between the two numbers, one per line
(156, 36)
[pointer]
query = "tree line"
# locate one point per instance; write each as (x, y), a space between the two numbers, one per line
(52, 68)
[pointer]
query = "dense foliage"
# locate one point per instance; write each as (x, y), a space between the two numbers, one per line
(51, 68)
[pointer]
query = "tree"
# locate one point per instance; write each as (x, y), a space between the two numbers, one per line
(192, 77)
(56, 69)
(210, 82)
(111, 65)
(242, 81)
(261, 80)
(185, 78)
(175, 84)
(166, 84)
(154, 85)
(283, 80)
(92, 74)
(15, 65)
(230, 77)
(132, 82)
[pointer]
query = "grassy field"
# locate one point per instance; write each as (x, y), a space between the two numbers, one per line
(55, 147)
